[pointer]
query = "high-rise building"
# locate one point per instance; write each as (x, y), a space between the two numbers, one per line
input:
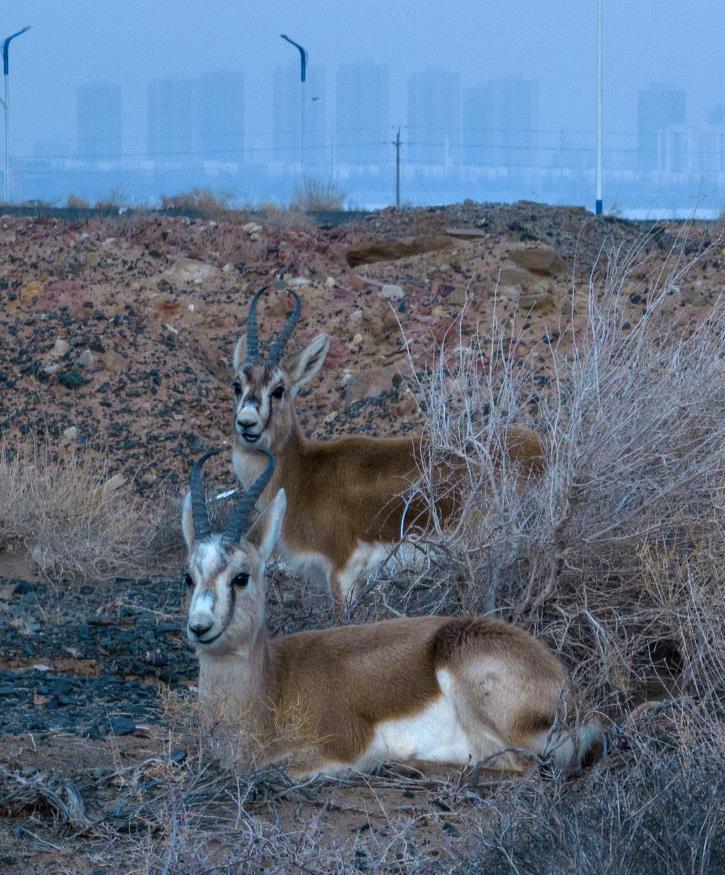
(98, 119)
(434, 117)
(500, 123)
(695, 150)
(170, 126)
(221, 116)
(287, 114)
(658, 107)
(716, 116)
(363, 121)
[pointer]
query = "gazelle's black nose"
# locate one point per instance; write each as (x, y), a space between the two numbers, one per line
(200, 629)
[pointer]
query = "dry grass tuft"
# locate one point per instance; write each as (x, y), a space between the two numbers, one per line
(319, 195)
(209, 204)
(76, 520)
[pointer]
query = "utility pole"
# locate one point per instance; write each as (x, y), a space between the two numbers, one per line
(600, 134)
(303, 76)
(6, 108)
(397, 144)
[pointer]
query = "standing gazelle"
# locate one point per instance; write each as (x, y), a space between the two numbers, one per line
(441, 689)
(345, 497)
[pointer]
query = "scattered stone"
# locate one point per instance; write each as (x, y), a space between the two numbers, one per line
(514, 276)
(466, 232)
(60, 348)
(539, 259)
(457, 298)
(392, 292)
(187, 271)
(70, 434)
(370, 383)
(87, 359)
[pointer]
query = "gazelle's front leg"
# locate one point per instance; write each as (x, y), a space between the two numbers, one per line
(345, 580)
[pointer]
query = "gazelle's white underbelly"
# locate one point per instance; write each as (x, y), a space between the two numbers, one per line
(435, 734)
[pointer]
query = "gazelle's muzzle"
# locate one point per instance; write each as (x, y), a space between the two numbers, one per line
(251, 419)
(201, 626)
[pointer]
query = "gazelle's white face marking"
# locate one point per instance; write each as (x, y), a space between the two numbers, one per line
(264, 394)
(262, 404)
(226, 594)
(226, 583)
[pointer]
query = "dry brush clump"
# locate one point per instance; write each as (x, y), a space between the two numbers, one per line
(209, 204)
(319, 195)
(658, 808)
(615, 552)
(74, 518)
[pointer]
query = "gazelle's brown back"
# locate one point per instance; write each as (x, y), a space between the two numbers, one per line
(330, 669)
(353, 488)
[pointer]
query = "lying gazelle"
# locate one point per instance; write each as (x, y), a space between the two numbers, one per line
(345, 497)
(440, 689)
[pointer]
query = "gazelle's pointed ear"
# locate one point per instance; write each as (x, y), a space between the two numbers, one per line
(308, 363)
(187, 522)
(240, 352)
(267, 528)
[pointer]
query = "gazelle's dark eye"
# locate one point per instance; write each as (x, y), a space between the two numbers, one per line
(237, 386)
(278, 392)
(188, 580)
(240, 580)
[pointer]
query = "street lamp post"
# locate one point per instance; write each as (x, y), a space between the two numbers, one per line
(303, 77)
(600, 134)
(6, 106)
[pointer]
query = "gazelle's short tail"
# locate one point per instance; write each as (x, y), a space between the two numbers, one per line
(592, 744)
(586, 748)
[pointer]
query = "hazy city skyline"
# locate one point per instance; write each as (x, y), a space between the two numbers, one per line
(142, 44)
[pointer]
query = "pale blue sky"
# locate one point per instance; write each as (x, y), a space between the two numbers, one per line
(132, 41)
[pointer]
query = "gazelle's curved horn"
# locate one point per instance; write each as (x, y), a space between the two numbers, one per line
(277, 350)
(238, 522)
(199, 515)
(252, 330)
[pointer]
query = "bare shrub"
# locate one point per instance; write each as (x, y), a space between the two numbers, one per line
(73, 517)
(663, 812)
(615, 552)
(75, 202)
(209, 204)
(116, 199)
(318, 195)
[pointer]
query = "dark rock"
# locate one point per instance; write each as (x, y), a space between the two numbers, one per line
(23, 587)
(71, 379)
(122, 726)
(9, 690)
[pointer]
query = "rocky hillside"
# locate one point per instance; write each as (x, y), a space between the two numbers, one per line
(118, 333)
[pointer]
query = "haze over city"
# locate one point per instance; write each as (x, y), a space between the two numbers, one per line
(494, 101)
